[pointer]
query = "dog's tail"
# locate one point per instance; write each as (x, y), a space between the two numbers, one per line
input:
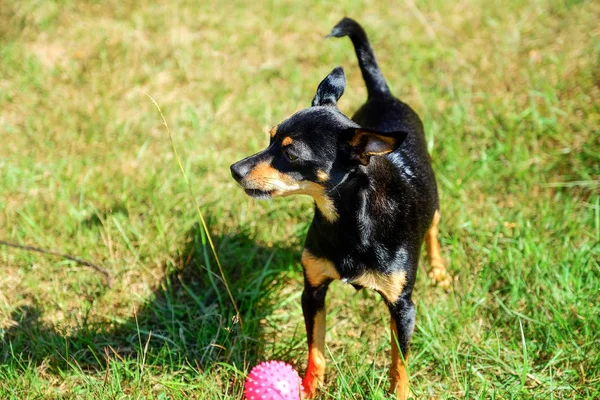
(376, 85)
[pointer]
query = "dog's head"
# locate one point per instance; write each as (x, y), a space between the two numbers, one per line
(313, 151)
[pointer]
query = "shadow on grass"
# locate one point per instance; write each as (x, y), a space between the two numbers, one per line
(189, 322)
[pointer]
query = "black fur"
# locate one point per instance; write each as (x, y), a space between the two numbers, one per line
(376, 85)
(384, 203)
(330, 89)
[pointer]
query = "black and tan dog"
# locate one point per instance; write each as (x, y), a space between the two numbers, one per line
(375, 201)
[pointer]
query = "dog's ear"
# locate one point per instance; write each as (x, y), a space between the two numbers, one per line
(366, 143)
(331, 88)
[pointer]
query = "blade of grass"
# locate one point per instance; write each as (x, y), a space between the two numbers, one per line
(204, 226)
(525, 359)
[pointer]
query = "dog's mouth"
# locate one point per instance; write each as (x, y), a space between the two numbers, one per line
(259, 194)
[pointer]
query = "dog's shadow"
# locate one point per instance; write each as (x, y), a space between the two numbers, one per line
(189, 321)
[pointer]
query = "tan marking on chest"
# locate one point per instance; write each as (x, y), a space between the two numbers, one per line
(322, 175)
(323, 201)
(287, 141)
(318, 270)
(389, 285)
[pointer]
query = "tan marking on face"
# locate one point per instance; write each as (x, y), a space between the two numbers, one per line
(264, 177)
(287, 141)
(389, 285)
(273, 131)
(322, 175)
(398, 374)
(318, 270)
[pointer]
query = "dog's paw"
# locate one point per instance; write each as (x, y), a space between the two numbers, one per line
(309, 386)
(440, 276)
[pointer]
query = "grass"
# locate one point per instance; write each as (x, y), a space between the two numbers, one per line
(509, 94)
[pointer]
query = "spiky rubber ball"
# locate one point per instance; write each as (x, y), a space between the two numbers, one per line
(273, 380)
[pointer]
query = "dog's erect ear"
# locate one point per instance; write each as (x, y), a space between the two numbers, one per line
(366, 143)
(331, 88)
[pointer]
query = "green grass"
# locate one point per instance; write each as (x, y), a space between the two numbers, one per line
(509, 93)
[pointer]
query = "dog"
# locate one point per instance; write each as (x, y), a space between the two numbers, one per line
(375, 196)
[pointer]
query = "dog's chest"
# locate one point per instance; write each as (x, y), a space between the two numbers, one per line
(388, 281)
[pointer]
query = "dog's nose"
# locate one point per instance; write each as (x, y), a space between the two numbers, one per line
(239, 170)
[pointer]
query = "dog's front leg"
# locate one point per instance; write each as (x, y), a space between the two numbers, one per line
(402, 323)
(313, 307)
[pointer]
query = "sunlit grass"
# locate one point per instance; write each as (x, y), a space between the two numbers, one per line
(509, 96)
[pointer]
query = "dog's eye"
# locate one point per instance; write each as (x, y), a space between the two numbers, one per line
(290, 156)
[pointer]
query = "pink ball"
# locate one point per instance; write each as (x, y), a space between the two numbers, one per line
(273, 380)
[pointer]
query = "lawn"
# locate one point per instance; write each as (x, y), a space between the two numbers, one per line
(509, 93)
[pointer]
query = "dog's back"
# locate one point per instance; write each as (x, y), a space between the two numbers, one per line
(384, 112)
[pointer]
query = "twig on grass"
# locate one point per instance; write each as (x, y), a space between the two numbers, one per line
(95, 267)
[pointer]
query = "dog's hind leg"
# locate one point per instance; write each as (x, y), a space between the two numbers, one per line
(438, 273)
